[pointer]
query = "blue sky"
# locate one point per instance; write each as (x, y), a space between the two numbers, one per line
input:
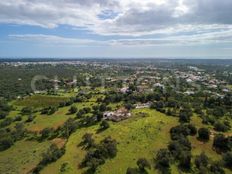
(116, 28)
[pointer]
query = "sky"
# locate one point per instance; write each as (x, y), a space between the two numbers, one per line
(116, 28)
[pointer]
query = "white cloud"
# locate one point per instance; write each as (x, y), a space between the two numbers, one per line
(181, 40)
(122, 17)
(54, 40)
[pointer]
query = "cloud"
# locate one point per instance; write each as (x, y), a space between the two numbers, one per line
(176, 40)
(121, 17)
(54, 40)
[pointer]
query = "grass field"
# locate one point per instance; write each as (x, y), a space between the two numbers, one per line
(140, 136)
(137, 137)
(49, 121)
(22, 157)
(198, 147)
(39, 101)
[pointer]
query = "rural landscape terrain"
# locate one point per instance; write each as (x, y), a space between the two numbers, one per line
(117, 116)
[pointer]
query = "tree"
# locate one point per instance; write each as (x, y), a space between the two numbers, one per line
(88, 141)
(203, 134)
(192, 129)
(104, 125)
(162, 160)
(222, 143)
(18, 118)
(5, 143)
(227, 159)
(26, 111)
(185, 160)
(72, 110)
(129, 106)
(142, 163)
(221, 127)
(3, 115)
(45, 133)
(216, 168)
(99, 153)
(52, 155)
(201, 160)
(30, 118)
(52, 110)
(184, 117)
(185, 114)
(132, 171)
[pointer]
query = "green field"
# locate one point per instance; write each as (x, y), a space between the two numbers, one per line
(39, 101)
(22, 157)
(140, 136)
(137, 137)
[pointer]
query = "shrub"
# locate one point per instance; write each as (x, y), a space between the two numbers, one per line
(3, 115)
(95, 157)
(72, 110)
(6, 143)
(193, 129)
(201, 161)
(185, 160)
(132, 171)
(162, 160)
(182, 130)
(52, 155)
(30, 118)
(18, 118)
(87, 140)
(222, 143)
(142, 163)
(26, 111)
(216, 168)
(104, 125)
(6, 122)
(203, 134)
(45, 133)
(227, 159)
(221, 127)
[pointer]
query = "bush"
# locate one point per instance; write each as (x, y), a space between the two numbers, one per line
(227, 159)
(18, 118)
(51, 110)
(185, 115)
(142, 163)
(45, 133)
(104, 125)
(26, 111)
(95, 157)
(30, 118)
(216, 168)
(52, 154)
(6, 143)
(203, 134)
(87, 141)
(6, 122)
(182, 130)
(222, 143)
(3, 115)
(72, 110)
(132, 171)
(185, 160)
(221, 127)
(201, 161)
(193, 129)
(208, 120)
(184, 118)
(162, 160)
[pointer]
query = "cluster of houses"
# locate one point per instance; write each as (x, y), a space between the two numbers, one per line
(116, 116)
(123, 113)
